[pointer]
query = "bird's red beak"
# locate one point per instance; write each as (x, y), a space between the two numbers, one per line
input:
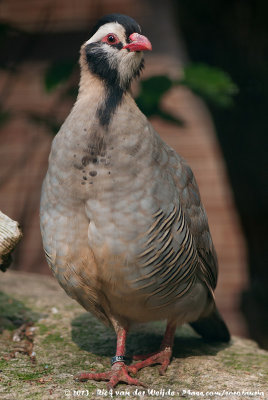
(138, 43)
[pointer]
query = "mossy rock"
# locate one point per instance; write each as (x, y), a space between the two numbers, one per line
(68, 340)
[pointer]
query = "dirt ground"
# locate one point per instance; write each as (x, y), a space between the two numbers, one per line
(67, 340)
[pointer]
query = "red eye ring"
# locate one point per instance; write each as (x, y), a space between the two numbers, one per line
(110, 39)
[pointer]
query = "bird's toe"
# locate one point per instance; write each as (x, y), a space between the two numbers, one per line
(162, 357)
(118, 373)
(85, 376)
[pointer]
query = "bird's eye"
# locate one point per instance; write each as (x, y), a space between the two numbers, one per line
(111, 39)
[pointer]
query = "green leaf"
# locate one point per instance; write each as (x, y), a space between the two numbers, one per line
(212, 83)
(157, 85)
(152, 90)
(149, 99)
(58, 73)
(4, 117)
(4, 29)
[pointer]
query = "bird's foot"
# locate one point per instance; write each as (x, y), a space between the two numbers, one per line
(161, 357)
(118, 373)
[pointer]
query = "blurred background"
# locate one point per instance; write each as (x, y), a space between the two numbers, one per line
(204, 89)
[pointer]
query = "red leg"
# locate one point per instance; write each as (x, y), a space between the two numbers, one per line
(161, 357)
(118, 372)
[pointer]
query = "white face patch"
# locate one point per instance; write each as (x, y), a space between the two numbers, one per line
(125, 62)
(111, 27)
(128, 65)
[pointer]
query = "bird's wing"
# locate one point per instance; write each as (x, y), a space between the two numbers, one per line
(197, 222)
(177, 246)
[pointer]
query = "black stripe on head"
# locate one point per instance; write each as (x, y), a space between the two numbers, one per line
(128, 23)
(98, 64)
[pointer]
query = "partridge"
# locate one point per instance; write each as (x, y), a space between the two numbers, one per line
(123, 227)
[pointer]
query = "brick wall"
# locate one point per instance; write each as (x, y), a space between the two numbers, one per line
(24, 145)
(55, 15)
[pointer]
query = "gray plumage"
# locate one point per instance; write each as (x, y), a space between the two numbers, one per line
(123, 226)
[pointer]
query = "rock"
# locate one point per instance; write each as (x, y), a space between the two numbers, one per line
(10, 235)
(72, 340)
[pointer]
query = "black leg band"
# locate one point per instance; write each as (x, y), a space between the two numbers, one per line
(116, 359)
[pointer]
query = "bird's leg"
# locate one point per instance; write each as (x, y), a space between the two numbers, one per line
(161, 357)
(119, 371)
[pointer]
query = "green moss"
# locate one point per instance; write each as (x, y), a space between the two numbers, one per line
(28, 376)
(43, 329)
(34, 396)
(22, 369)
(53, 338)
(91, 386)
(3, 363)
(236, 361)
(57, 316)
(234, 364)
(14, 312)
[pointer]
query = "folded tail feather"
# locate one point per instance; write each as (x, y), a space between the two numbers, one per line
(212, 328)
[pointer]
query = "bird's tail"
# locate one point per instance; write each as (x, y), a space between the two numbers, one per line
(212, 328)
